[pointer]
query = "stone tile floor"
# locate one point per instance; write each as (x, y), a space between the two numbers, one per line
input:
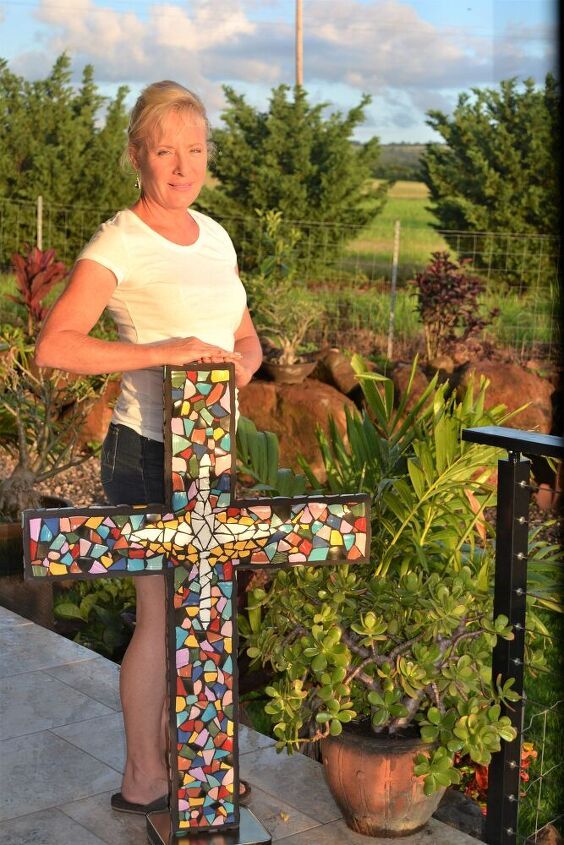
(62, 753)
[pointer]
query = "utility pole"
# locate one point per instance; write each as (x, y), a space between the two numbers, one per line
(39, 218)
(299, 44)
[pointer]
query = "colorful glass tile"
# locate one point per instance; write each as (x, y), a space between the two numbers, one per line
(198, 540)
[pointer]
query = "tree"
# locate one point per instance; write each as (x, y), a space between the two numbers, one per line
(64, 144)
(497, 171)
(401, 161)
(293, 160)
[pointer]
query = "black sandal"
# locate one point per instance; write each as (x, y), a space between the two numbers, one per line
(122, 805)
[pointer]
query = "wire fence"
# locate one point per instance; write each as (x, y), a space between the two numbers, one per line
(542, 785)
(349, 269)
(47, 225)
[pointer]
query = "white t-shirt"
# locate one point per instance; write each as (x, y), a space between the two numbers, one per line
(164, 291)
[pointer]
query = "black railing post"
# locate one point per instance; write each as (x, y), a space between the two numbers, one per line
(510, 594)
(510, 599)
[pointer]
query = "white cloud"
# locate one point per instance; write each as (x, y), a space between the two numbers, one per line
(385, 48)
(121, 45)
(211, 25)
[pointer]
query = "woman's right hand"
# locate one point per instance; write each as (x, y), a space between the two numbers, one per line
(185, 350)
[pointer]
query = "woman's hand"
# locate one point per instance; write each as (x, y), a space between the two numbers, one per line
(189, 349)
(243, 374)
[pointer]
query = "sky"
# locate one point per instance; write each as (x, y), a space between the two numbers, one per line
(409, 55)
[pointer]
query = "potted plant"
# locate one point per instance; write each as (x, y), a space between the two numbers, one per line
(387, 665)
(41, 413)
(283, 309)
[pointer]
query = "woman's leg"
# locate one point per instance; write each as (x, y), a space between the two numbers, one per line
(144, 696)
(132, 473)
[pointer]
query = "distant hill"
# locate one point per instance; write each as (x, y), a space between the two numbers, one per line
(399, 161)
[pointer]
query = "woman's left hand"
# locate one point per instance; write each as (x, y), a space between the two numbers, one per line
(247, 355)
(243, 374)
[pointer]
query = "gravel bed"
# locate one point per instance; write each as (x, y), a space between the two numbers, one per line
(80, 485)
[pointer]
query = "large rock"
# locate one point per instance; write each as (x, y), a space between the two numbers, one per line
(513, 386)
(400, 377)
(292, 412)
(546, 836)
(334, 368)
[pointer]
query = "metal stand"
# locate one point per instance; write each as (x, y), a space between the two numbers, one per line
(250, 832)
(510, 599)
(508, 656)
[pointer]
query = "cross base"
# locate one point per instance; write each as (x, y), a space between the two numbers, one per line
(250, 832)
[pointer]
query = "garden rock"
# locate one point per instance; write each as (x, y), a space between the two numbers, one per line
(400, 377)
(442, 363)
(547, 836)
(293, 412)
(513, 386)
(334, 368)
(461, 812)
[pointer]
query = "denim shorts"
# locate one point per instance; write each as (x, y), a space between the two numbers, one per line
(132, 468)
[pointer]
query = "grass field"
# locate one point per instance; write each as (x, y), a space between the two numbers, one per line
(524, 322)
(407, 202)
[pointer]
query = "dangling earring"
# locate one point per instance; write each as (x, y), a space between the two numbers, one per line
(138, 182)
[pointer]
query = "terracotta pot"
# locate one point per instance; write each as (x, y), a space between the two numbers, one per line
(99, 416)
(371, 779)
(288, 373)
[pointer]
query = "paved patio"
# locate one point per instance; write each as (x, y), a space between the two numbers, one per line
(62, 753)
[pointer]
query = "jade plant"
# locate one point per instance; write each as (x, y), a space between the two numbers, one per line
(100, 614)
(401, 645)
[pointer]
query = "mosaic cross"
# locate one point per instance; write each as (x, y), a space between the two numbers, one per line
(199, 538)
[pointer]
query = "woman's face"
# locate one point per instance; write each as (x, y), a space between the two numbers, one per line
(172, 162)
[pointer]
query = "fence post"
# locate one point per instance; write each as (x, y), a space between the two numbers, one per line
(39, 222)
(395, 260)
(510, 599)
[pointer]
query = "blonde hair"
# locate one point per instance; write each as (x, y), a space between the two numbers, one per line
(152, 106)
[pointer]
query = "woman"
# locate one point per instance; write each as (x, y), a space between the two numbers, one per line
(168, 276)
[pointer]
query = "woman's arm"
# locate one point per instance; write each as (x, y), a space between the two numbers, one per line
(248, 346)
(64, 342)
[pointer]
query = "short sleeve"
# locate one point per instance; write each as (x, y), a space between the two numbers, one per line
(218, 234)
(107, 248)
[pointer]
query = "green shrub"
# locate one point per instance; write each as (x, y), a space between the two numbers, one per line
(407, 638)
(101, 610)
(447, 303)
